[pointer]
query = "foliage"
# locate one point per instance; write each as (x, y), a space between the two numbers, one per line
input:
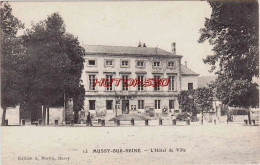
(233, 31)
(186, 102)
(203, 98)
(55, 62)
(196, 101)
(12, 57)
(182, 116)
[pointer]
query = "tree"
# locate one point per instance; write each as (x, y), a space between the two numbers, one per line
(233, 31)
(186, 102)
(196, 101)
(12, 59)
(55, 63)
(203, 98)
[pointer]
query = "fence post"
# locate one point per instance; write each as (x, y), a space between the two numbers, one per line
(99, 121)
(160, 121)
(174, 122)
(118, 122)
(39, 121)
(132, 121)
(245, 121)
(103, 123)
(23, 121)
(6, 122)
(72, 122)
(188, 121)
(146, 122)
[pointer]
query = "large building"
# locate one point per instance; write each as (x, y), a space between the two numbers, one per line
(139, 63)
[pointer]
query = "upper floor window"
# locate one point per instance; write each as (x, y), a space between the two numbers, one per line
(124, 83)
(92, 82)
(171, 83)
(190, 86)
(140, 64)
(108, 63)
(156, 83)
(170, 64)
(109, 83)
(140, 85)
(91, 62)
(124, 63)
(156, 64)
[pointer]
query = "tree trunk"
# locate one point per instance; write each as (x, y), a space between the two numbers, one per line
(76, 117)
(202, 115)
(48, 115)
(44, 115)
(4, 115)
(249, 117)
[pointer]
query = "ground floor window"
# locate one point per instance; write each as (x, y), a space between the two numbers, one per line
(157, 104)
(140, 104)
(171, 104)
(92, 104)
(109, 104)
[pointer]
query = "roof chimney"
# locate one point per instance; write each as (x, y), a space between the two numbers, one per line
(174, 48)
(186, 64)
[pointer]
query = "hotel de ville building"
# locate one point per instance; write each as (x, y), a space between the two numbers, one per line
(123, 62)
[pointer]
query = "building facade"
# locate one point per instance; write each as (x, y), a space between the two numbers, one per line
(138, 63)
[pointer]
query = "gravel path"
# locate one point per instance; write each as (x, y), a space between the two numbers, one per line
(207, 144)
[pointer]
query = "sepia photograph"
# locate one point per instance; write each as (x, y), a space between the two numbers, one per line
(129, 82)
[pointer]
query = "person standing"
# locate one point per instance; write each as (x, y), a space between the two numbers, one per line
(89, 119)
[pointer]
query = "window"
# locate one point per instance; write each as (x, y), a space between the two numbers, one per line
(109, 104)
(140, 64)
(109, 62)
(124, 83)
(92, 104)
(156, 83)
(170, 64)
(140, 104)
(92, 82)
(92, 62)
(190, 86)
(171, 83)
(157, 104)
(109, 82)
(156, 64)
(124, 63)
(140, 80)
(171, 104)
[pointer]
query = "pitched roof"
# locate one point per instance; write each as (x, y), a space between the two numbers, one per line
(187, 71)
(204, 81)
(126, 50)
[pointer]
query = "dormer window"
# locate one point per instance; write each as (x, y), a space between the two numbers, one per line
(125, 64)
(140, 64)
(109, 63)
(170, 64)
(92, 62)
(156, 64)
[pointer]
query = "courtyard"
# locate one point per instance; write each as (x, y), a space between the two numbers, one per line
(234, 143)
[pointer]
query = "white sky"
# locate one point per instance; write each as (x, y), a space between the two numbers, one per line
(125, 23)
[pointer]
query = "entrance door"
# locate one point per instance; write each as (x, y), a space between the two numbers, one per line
(125, 106)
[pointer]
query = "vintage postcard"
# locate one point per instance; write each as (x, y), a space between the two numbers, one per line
(129, 82)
